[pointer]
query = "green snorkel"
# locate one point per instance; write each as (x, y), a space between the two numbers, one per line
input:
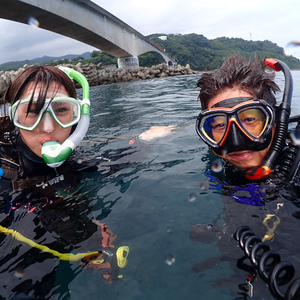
(54, 154)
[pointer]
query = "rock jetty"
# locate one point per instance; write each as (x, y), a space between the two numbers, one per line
(100, 75)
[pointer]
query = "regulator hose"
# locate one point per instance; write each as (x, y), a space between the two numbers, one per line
(272, 270)
(295, 148)
(289, 164)
(290, 161)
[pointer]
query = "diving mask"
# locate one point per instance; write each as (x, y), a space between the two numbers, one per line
(64, 110)
(245, 125)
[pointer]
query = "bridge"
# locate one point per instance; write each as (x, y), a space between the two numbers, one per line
(86, 22)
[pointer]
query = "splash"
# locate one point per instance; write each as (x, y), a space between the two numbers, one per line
(192, 197)
(291, 48)
(33, 22)
(217, 165)
(295, 136)
(170, 260)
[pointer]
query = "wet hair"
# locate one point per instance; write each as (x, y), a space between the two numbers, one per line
(42, 77)
(250, 76)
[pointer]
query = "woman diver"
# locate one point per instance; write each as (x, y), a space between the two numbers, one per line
(44, 113)
(46, 122)
(48, 213)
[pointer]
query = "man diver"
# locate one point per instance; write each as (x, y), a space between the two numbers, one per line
(239, 120)
(242, 125)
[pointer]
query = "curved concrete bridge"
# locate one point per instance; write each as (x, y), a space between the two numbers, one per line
(87, 22)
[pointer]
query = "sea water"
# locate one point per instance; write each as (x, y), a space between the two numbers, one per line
(166, 191)
(150, 194)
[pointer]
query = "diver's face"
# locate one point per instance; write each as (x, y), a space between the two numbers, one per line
(47, 129)
(246, 158)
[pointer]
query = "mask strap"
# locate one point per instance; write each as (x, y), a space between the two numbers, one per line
(231, 102)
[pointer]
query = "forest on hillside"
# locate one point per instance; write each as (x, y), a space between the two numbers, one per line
(204, 54)
(201, 53)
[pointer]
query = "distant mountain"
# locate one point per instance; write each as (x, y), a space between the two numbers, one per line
(14, 65)
(85, 55)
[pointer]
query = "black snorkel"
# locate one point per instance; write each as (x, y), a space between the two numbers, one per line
(281, 125)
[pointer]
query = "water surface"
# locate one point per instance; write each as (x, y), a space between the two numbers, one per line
(150, 195)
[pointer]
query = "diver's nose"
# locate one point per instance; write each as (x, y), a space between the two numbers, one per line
(47, 123)
(236, 140)
(237, 137)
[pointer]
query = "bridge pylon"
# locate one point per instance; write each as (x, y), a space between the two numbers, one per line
(128, 62)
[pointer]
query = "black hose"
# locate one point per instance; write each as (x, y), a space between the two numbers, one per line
(283, 118)
(289, 163)
(281, 124)
(272, 270)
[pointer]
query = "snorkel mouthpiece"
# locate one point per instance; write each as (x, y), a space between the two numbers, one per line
(55, 154)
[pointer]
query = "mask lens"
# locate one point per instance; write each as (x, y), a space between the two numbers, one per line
(214, 127)
(23, 116)
(253, 120)
(66, 112)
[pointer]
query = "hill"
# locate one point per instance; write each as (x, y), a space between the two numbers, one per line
(201, 53)
(204, 54)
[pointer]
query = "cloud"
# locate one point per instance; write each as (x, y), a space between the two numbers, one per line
(21, 42)
(273, 20)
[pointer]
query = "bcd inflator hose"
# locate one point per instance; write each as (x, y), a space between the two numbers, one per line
(272, 270)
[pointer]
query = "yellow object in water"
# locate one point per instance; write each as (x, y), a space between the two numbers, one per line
(122, 254)
(270, 230)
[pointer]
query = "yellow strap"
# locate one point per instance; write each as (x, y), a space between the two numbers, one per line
(62, 256)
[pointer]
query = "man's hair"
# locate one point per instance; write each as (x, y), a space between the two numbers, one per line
(250, 76)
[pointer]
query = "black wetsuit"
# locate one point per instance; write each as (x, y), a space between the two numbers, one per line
(270, 207)
(50, 207)
(25, 169)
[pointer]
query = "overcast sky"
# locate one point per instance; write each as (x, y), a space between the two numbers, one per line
(274, 20)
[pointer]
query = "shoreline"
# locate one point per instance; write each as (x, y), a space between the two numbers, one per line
(103, 75)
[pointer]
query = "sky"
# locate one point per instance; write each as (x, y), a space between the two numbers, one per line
(273, 20)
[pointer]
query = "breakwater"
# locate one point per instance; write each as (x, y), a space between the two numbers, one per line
(100, 75)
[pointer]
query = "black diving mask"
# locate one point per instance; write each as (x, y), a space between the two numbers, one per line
(237, 124)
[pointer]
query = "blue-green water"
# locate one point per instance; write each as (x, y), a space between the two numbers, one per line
(150, 195)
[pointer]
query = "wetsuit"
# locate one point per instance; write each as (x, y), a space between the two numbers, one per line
(270, 206)
(51, 208)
